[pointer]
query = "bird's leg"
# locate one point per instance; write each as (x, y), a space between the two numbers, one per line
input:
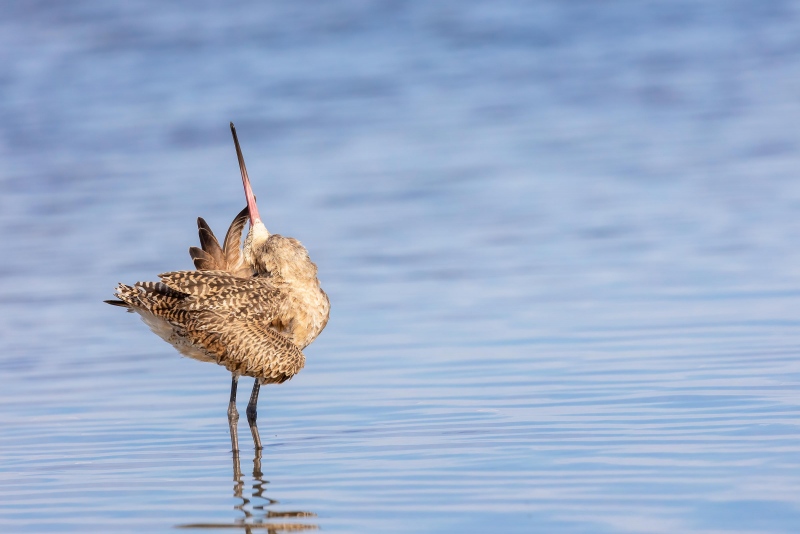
(256, 437)
(233, 415)
(251, 406)
(252, 414)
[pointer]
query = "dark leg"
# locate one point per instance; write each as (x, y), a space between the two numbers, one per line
(233, 415)
(252, 414)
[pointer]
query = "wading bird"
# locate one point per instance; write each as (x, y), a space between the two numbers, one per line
(252, 310)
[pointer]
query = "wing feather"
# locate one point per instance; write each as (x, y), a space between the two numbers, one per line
(228, 257)
(229, 326)
(202, 260)
(247, 347)
(231, 247)
(219, 290)
(209, 243)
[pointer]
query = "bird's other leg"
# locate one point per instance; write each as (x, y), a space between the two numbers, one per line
(252, 414)
(233, 415)
(251, 406)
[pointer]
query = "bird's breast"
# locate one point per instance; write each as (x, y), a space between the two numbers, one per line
(304, 314)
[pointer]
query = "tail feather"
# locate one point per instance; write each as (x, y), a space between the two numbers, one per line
(213, 257)
(233, 239)
(208, 241)
(210, 256)
(202, 260)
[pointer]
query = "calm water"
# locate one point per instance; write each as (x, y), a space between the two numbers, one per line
(561, 243)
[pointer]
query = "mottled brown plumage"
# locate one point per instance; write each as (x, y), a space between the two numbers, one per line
(218, 317)
(251, 309)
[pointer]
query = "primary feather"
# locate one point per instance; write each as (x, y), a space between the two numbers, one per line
(228, 257)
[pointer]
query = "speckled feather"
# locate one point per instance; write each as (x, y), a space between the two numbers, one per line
(214, 316)
(218, 315)
(251, 307)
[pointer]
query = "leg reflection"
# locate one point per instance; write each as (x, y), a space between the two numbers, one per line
(255, 508)
(258, 483)
(256, 512)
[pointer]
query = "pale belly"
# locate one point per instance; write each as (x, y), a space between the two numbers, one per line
(163, 329)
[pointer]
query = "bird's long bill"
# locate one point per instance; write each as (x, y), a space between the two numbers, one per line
(248, 191)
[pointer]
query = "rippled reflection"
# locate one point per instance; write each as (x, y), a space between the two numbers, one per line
(560, 239)
(254, 506)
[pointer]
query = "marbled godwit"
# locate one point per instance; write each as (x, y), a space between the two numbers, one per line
(251, 310)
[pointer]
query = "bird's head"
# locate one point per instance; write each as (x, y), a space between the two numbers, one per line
(282, 258)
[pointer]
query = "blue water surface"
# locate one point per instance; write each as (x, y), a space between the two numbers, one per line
(561, 241)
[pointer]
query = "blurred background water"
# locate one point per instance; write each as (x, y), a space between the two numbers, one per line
(560, 241)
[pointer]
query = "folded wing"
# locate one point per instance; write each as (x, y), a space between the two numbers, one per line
(216, 316)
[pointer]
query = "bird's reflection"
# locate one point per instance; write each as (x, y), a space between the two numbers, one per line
(255, 507)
